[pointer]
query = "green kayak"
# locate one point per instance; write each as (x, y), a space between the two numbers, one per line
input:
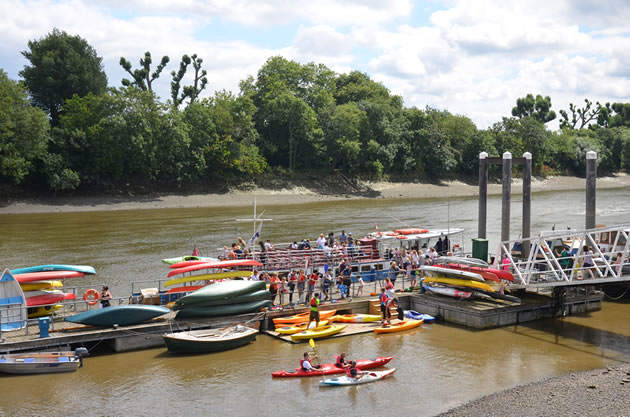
(224, 310)
(219, 291)
(245, 298)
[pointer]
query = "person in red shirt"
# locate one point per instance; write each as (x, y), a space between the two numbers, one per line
(313, 279)
(273, 287)
(301, 284)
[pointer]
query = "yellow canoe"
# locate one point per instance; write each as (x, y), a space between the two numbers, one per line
(41, 285)
(206, 277)
(399, 327)
(299, 327)
(42, 311)
(459, 283)
(320, 332)
(358, 318)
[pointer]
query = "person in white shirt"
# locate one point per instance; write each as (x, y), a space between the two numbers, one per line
(321, 241)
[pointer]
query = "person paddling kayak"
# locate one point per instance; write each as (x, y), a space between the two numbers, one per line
(306, 365)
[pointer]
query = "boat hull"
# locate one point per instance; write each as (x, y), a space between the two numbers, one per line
(86, 269)
(23, 364)
(345, 380)
(223, 310)
(219, 291)
(399, 327)
(207, 341)
(459, 283)
(121, 315)
(414, 315)
(319, 332)
(12, 302)
(260, 295)
(331, 368)
(303, 317)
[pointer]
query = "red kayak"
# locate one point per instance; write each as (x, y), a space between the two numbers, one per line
(331, 368)
(46, 275)
(214, 265)
(186, 288)
(492, 274)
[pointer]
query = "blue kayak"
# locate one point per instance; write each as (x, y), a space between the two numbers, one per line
(412, 314)
(86, 269)
(124, 315)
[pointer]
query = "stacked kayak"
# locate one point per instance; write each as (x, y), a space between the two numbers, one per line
(302, 317)
(399, 327)
(331, 368)
(42, 286)
(318, 332)
(224, 299)
(363, 378)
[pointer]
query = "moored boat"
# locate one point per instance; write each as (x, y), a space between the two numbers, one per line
(399, 327)
(302, 317)
(331, 368)
(223, 310)
(414, 315)
(42, 362)
(299, 327)
(447, 291)
(123, 315)
(86, 269)
(12, 303)
(459, 283)
(364, 378)
(225, 290)
(210, 340)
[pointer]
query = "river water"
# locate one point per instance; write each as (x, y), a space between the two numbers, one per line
(438, 366)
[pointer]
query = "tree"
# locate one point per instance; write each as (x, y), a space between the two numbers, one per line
(621, 116)
(539, 108)
(190, 91)
(23, 131)
(142, 77)
(61, 66)
(582, 116)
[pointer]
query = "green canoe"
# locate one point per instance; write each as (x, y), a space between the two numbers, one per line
(220, 291)
(224, 310)
(209, 340)
(245, 298)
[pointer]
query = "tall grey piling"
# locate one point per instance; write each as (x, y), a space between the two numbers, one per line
(483, 195)
(591, 188)
(506, 196)
(527, 201)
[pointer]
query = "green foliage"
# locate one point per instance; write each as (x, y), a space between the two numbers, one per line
(539, 108)
(622, 115)
(580, 116)
(190, 91)
(142, 77)
(60, 67)
(23, 132)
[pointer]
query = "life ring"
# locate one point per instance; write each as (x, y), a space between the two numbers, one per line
(401, 237)
(91, 296)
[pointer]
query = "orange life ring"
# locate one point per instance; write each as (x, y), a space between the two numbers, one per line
(392, 234)
(411, 231)
(401, 237)
(95, 295)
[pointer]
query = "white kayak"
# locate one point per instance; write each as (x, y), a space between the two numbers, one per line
(366, 376)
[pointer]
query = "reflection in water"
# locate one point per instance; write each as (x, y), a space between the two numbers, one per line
(438, 366)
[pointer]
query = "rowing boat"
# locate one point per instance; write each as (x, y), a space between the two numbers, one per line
(209, 340)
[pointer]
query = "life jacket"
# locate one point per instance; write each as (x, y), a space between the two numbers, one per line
(339, 361)
(314, 304)
(349, 372)
(302, 364)
(384, 298)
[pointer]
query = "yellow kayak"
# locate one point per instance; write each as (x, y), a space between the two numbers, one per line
(41, 285)
(459, 283)
(320, 332)
(205, 277)
(42, 311)
(299, 327)
(358, 318)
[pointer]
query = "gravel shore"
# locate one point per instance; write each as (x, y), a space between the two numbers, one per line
(597, 393)
(295, 194)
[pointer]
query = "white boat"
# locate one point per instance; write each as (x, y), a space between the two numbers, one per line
(42, 362)
(436, 271)
(365, 377)
(12, 303)
(210, 340)
(447, 291)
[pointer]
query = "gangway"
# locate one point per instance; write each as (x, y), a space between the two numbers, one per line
(558, 258)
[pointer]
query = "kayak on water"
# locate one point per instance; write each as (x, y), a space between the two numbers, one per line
(368, 376)
(399, 327)
(331, 368)
(412, 314)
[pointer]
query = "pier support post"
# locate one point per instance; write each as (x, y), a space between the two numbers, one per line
(527, 202)
(506, 196)
(483, 194)
(591, 188)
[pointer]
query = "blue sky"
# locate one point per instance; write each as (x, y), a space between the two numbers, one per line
(471, 58)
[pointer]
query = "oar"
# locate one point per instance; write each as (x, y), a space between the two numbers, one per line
(311, 343)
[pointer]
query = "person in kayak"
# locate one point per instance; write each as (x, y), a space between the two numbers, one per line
(340, 361)
(314, 303)
(353, 372)
(306, 365)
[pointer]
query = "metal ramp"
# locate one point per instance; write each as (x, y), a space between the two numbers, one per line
(557, 258)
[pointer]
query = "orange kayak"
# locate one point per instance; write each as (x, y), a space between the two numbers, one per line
(399, 327)
(303, 317)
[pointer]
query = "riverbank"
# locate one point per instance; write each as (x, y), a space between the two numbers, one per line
(293, 193)
(599, 392)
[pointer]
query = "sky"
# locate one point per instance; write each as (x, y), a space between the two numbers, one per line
(472, 58)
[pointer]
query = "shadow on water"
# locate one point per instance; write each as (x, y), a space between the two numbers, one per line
(611, 345)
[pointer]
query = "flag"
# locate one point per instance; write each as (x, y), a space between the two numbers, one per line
(376, 227)
(256, 236)
(195, 251)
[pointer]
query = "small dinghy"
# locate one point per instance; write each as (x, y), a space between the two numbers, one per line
(369, 376)
(42, 362)
(209, 340)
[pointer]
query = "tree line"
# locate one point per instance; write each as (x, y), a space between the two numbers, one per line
(63, 128)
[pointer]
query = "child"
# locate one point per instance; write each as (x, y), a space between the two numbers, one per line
(360, 290)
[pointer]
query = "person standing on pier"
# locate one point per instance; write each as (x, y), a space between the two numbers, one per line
(314, 315)
(293, 279)
(385, 302)
(301, 283)
(106, 296)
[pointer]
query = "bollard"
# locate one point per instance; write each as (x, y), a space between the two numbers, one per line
(44, 323)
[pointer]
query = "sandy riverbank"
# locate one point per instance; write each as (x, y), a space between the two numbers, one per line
(599, 392)
(292, 194)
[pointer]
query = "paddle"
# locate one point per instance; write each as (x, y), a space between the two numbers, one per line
(311, 343)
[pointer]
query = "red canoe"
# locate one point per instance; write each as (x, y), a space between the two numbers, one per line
(47, 275)
(214, 265)
(186, 288)
(331, 368)
(45, 299)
